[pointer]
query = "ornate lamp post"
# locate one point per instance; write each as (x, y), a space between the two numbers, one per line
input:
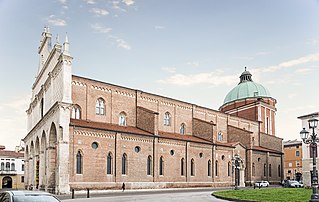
(236, 160)
(312, 140)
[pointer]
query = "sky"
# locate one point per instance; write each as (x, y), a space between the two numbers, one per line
(188, 50)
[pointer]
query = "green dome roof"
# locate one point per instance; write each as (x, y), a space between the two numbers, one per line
(246, 89)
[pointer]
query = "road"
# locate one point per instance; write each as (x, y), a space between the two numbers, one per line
(179, 195)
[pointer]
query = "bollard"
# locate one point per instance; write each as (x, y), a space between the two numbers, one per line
(72, 194)
(88, 193)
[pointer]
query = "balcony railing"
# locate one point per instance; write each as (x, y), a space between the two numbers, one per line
(8, 172)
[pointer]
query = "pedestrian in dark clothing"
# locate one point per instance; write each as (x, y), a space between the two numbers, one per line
(123, 187)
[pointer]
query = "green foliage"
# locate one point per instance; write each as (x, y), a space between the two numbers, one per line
(269, 194)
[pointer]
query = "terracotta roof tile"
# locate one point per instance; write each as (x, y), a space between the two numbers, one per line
(182, 137)
(107, 126)
(4, 153)
(265, 149)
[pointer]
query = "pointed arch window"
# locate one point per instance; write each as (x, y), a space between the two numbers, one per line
(216, 168)
(182, 167)
(220, 136)
(209, 168)
(182, 129)
(79, 163)
(253, 169)
(161, 166)
(100, 107)
(13, 166)
(76, 112)
(279, 171)
(229, 168)
(167, 119)
(192, 167)
(2, 166)
(7, 166)
(122, 119)
(42, 108)
(124, 164)
(265, 168)
(149, 165)
(109, 163)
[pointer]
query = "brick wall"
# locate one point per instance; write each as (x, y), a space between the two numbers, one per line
(239, 135)
(203, 129)
(271, 142)
(145, 119)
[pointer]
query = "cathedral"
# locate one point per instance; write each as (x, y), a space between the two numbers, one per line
(89, 134)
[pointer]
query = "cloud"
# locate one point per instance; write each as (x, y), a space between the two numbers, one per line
(100, 28)
(62, 1)
(263, 53)
(123, 44)
(90, 1)
(214, 78)
(128, 2)
(159, 27)
(303, 70)
(13, 120)
(291, 63)
(99, 11)
(193, 63)
(52, 20)
(115, 5)
(169, 69)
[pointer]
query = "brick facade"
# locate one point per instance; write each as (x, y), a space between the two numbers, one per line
(97, 135)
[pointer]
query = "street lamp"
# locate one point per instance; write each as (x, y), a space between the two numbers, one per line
(312, 140)
(236, 161)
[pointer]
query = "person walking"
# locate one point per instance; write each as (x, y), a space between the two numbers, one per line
(123, 187)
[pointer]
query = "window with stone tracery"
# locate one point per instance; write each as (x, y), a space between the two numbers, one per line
(76, 112)
(122, 119)
(167, 119)
(100, 107)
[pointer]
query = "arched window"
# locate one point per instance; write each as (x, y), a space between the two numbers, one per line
(2, 166)
(220, 136)
(79, 163)
(109, 164)
(192, 167)
(167, 119)
(209, 165)
(124, 164)
(229, 168)
(265, 169)
(161, 166)
(99, 107)
(149, 165)
(76, 112)
(182, 129)
(269, 170)
(253, 169)
(122, 119)
(216, 168)
(13, 166)
(279, 171)
(7, 166)
(42, 108)
(182, 167)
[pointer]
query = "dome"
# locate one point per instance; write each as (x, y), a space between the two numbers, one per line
(246, 88)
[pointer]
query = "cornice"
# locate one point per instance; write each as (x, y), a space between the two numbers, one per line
(47, 116)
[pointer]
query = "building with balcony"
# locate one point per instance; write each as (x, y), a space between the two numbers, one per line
(11, 169)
